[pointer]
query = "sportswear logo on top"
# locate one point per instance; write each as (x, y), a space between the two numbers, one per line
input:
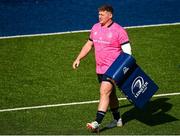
(138, 86)
(109, 35)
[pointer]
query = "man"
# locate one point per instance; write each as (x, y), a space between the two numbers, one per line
(109, 39)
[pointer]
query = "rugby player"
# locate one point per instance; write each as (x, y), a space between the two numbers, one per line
(109, 40)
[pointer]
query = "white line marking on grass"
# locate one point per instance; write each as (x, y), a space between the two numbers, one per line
(79, 31)
(154, 25)
(74, 103)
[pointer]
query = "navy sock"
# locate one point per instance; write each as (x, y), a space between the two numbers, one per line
(116, 113)
(99, 116)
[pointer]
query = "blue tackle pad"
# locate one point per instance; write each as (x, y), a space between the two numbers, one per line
(137, 86)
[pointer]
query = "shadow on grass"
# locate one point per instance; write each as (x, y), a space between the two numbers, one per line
(155, 113)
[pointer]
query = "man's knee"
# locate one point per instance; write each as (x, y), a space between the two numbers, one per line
(106, 88)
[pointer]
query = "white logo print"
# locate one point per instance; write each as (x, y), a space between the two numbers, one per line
(125, 70)
(138, 86)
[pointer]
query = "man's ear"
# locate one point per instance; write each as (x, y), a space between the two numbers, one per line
(111, 16)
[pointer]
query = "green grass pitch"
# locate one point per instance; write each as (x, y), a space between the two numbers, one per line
(38, 71)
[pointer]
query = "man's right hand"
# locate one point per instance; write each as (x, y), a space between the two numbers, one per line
(76, 64)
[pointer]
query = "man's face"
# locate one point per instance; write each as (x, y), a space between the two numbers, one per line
(104, 17)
